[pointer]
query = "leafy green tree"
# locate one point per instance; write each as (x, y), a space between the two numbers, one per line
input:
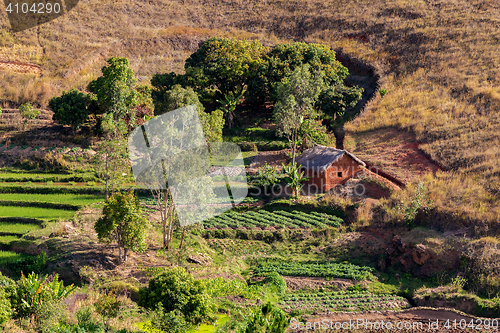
(5, 307)
(224, 65)
(123, 222)
(283, 59)
(177, 290)
(337, 103)
(297, 96)
(212, 123)
(28, 112)
(71, 108)
(116, 95)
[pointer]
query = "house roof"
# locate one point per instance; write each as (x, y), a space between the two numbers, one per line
(320, 158)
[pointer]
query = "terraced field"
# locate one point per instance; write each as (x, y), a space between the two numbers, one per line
(29, 207)
(326, 270)
(277, 219)
(342, 301)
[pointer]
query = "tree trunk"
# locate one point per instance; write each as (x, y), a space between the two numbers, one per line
(125, 254)
(182, 238)
(170, 225)
(165, 218)
(339, 133)
(230, 118)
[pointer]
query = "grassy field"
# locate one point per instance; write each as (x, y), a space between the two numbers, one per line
(75, 199)
(35, 212)
(17, 228)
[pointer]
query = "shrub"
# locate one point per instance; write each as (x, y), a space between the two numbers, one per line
(28, 112)
(276, 281)
(176, 289)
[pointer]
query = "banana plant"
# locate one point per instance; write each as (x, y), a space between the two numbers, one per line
(230, 103)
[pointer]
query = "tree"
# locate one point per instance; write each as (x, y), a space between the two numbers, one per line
(71, 108)
(337, 103)
(123, 222)
(226, 65)
(177, 290)
(28, 112)
(167, 322)
(283, 59)
(116, 95)
(111, 163)
(297, 96)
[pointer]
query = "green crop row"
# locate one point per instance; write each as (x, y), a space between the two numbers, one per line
(341, 301)
(44, 177)
(35, 212)
(220, 287)
(280, 219)
(50, 189)
(327, 270)
(7, 257)
(68, 199)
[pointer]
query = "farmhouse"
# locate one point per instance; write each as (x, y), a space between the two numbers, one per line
(326, 167)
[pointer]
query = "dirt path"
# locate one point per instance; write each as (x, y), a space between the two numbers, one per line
(410, 320)
(21, 67)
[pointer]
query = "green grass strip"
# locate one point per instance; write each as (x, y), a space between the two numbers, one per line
(35, 212)
(8, 257)
(12, 229)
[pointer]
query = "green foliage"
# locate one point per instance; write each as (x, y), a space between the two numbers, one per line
(111, 163)
(348, 300)
(7, 287)
(167, 322)
(409, 206)
(382, 92)
(335, 100)
(33, 291)
(311, 132)
(178, 97)
(108, 306)
(177, 290)
(123, 222)
(268, 176)
(34, 264)
(226, 64)
(284, 59)
(116, 96)
(28, 112)
(278, 218)
(275, 280)
(295, 177)
(328, 270)
(221, 287)
(71, 108)
(265, 319)
(296, 98)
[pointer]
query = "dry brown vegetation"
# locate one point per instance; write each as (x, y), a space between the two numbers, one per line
(438, 60)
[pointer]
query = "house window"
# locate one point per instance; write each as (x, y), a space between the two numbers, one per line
(339, 174)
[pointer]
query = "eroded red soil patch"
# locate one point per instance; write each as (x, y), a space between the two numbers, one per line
(394, 151)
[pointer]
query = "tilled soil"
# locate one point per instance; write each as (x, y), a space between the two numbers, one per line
(410, 320)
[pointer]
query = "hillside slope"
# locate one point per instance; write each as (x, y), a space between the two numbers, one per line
(439, 60)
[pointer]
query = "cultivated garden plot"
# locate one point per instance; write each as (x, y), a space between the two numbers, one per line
(327, 270)
(342, 301)
(240, 247)
(277, 219)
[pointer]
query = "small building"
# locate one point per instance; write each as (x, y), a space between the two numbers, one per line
(326, 167)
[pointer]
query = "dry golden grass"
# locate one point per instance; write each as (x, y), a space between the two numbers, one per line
(438, 59)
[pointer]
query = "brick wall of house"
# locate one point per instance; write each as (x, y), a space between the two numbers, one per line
(337, 173)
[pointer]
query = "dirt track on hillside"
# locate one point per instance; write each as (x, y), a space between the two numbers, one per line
(21, 67)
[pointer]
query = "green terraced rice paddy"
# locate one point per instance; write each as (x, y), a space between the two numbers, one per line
(17, 228)
(74, 199)
(35, 212)
(8, 256)
(8, 239)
